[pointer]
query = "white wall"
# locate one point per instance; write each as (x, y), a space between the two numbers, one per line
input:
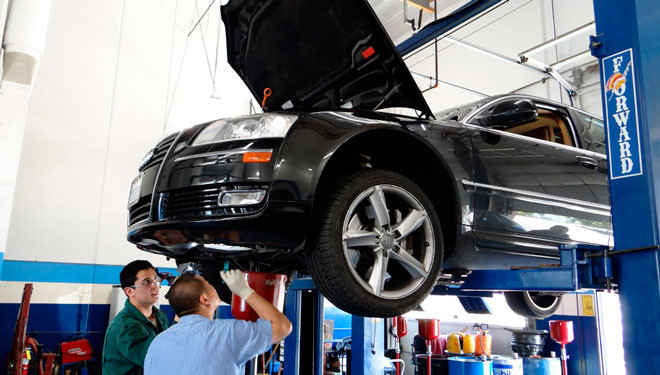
(107, 77)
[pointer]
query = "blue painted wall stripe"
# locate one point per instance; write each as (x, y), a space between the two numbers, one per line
(2, 257)
(18, 270)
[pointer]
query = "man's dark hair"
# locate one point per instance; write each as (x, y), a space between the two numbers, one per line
(184, 294)
(128, 274)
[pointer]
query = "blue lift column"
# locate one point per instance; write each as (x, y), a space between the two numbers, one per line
(628, 47)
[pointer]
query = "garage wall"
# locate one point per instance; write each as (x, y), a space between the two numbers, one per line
(105, 93)
(115, 76)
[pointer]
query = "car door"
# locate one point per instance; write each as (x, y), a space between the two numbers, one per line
(534, 187)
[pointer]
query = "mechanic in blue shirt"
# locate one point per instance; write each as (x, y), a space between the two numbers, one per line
(200, 345)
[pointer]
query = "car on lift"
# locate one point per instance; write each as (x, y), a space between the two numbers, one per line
(378, 207)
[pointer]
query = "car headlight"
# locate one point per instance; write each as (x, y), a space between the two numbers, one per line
(270, 125)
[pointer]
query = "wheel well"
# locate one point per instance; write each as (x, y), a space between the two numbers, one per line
(402, 153)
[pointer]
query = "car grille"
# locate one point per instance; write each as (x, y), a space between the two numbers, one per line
(139, 211)
(159, 152)
(200, 202)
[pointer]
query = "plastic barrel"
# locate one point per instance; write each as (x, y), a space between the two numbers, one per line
(268, 285)
(439, 364)
(507, 366)
(469, 366)
(541, 366)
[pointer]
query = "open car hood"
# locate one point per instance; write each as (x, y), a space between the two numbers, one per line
(317, 54)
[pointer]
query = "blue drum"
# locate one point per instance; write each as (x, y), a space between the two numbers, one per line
(541, 366)
(469, 366)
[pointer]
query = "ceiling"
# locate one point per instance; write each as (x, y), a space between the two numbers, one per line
(481, 57)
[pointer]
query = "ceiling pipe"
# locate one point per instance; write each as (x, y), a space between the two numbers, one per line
(452, 85)
(24, 39)
(23, 43)
(435, 50)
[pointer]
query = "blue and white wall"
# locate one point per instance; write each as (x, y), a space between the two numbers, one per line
(113, 78)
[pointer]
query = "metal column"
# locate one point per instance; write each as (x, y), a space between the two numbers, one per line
(303, 348)
(367, 345)
(628, 47)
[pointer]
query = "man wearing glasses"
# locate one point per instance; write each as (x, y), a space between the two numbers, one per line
(137, 324)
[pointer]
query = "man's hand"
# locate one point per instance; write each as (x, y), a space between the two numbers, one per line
(236, 283)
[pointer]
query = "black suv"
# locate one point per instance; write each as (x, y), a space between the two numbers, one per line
(377, 207)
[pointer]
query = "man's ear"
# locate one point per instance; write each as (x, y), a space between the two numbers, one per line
(204, 300)
(129, 292)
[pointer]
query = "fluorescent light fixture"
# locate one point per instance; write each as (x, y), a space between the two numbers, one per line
(570, 60)
(587, 27)
(481, 50)
(489, 53)
(535, 63)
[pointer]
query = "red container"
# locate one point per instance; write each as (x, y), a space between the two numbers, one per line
(401, 326)
(429, 329)
(561, 331)
(268, 285)
(76, 351)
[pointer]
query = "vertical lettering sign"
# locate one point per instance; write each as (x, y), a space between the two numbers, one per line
(625, 155)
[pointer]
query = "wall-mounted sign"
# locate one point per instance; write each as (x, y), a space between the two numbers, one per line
(625, 154)
(588, 305)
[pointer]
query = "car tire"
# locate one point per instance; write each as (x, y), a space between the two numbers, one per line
(372, 219)
(211, 272)
(533, 304)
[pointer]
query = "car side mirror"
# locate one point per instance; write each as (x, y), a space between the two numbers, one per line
(510, 113)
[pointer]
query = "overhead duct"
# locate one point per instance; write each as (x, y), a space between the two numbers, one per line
(25, 35)
(24, 38)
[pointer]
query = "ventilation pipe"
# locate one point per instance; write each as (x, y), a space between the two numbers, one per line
(25, 35)
(23, 42)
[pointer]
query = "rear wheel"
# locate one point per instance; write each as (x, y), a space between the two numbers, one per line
(378, 248)
(533, 304)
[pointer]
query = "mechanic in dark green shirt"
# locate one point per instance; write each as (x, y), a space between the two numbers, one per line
(137, 324)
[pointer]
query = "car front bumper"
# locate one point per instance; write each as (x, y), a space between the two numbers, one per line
(177, 213)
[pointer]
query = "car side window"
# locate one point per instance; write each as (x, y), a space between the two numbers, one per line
(595, 129)
(549, 125)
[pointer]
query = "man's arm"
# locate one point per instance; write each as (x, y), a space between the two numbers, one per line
(278, 321)
(280, 324)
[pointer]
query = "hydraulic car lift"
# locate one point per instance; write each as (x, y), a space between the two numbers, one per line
(303, 350)
(582, 267)
(627, 43)
(629, 51)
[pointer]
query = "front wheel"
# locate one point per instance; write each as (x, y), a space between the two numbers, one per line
(537, 305)
(378, 247)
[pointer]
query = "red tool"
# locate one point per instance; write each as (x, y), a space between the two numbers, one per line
(75, 351)
(23, 348)
(429, 329)
(561, 332)
(167, 276)
(18, 344)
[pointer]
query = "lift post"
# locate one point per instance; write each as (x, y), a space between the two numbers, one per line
(628, 46)
(303, 348)
(581, 267)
